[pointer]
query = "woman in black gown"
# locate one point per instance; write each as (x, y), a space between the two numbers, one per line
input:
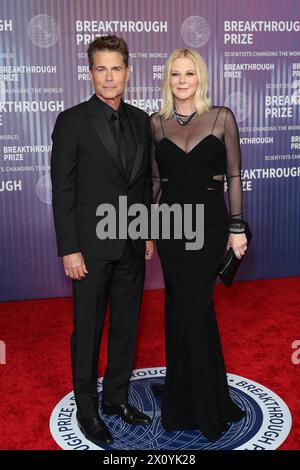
(195, 145)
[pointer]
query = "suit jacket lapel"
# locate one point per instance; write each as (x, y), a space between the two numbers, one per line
(100, 125)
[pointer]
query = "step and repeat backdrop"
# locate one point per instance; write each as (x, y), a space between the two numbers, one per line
(253, 57)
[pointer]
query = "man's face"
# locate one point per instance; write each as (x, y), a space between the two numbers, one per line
(109, 75)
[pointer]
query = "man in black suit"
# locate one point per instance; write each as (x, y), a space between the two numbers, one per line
(100, 152)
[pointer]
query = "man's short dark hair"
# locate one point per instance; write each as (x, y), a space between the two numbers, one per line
(108, 43)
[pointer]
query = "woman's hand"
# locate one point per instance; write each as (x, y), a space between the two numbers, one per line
(238, 242)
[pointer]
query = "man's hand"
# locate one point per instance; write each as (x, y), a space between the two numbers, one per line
(74, 266)
(149, 249)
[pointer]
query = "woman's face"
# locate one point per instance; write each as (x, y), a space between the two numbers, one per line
(183, 78)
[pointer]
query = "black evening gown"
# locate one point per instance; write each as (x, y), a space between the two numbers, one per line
(188, 166)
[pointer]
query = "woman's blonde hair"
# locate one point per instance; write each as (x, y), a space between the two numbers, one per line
(202, 102)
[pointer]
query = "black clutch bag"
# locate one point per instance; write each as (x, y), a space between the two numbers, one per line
(231, 263)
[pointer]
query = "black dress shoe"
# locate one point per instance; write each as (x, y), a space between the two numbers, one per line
(157, 388)
(214, 437)
(127, 412)
(94, 430)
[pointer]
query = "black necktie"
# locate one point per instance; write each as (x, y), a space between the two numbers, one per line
(120, 139)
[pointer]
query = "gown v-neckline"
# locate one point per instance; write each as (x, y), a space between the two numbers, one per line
(195, 146)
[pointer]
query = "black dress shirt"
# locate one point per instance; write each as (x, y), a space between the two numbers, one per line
(126, 129)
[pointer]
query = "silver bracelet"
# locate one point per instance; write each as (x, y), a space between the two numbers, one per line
(238, 227)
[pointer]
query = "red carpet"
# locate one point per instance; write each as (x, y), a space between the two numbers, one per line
(259, 320)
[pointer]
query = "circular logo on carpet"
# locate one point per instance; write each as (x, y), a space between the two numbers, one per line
(265, 427)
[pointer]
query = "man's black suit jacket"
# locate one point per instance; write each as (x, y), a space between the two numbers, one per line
(86, 171)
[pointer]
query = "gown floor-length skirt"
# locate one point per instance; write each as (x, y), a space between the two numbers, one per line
(196, 394)
(188, 165)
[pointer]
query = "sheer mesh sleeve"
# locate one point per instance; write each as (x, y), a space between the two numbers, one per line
(233, 173)
(156, 136)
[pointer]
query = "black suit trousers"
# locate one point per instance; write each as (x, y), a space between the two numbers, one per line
(119, 282)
